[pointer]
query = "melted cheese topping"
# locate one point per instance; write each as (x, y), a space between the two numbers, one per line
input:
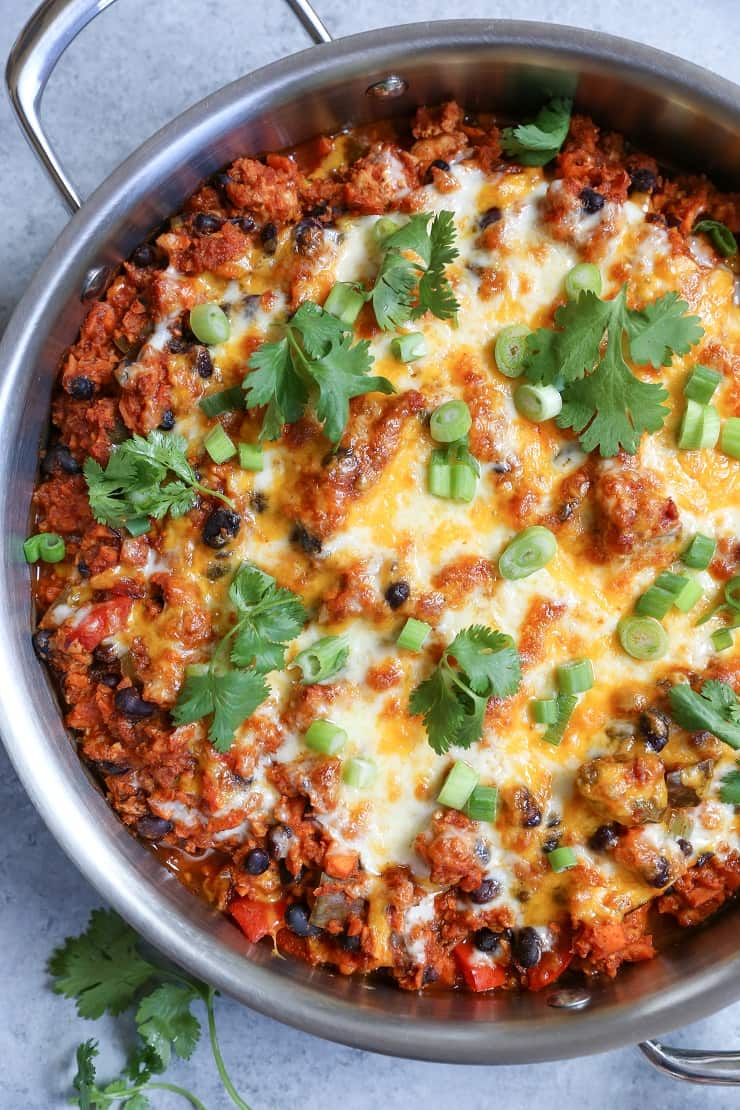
(396, 529)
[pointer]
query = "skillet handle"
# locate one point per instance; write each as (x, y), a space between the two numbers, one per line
(38, 48)
(712, 1068)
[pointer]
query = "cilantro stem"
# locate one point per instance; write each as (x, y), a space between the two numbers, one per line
(181, 1091)
(230, 1088)
(213, 493)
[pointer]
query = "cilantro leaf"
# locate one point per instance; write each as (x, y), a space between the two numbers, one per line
(723, 241)
(405, 289)
(662, 329)
(536, 143)
(102, 969)
(165, 1023)
(713, 710)
(131, 488)
(554, 357)
(729, 790)
(231, 696)
(480, 663)
(269, 616)
(315, 352)
(84, 1080)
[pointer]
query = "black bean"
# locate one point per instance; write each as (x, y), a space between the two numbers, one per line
(662, 873)
(109, 679)
(429, 975)
(655, 728)
(220, 527)
(287, 878)
(167, 422)
(256, 862)
(551, 843)
(703, 858)
(104, 767)
(350, 943)
(437, 164)
(105, 654)
(296, 918)
(41, 643)
(310, 544)
(485, 940)
(221, 180)
(309, 235)
(130, 703)
(205, 223)
(490, 216)
(145, 255)
(81, 388)
(591, 200)
(153, 828)
(642, 181)
(179, 344)
(83, 569)
(605, 839)
(527, 947)
(204, 363)
(278, 841)
(244, 223)
(268, 235)
(258, 501)
(61, 457)
(685, 845)
(397, 593)
(486, 892)
(531, 814)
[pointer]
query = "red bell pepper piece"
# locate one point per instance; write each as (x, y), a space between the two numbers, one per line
(551, 967)
(104, 619)
(258, 919)
(478, 976)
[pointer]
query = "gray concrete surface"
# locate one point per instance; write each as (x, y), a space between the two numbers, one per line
(140, 64)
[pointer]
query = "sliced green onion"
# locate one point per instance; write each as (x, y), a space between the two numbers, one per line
(562, 859)
(413, 635)
(732, 591)
(325, 737)
(439, 475)
(359, 772)
(49, 547)
(209, 323)
(322, 659)
(528, 552)
(537, 402)
(510, 350)
(138, 525)
(384, 227)
(722, 639)
(575, 677)
(699, 427)
(450, 422)
(583, 278)
(722, 238)
(31, 549)
(686, 591)
(655, 602)
(554, 733)
(219, 445)
(680, 826)
(482, 804)
(544, 711)
(642, 637)
(702, 384)
(226, 400)
(458, 786)
(700, 552)
(730, 441)
(407, 348)
(345, 301)
(250, 456)
(463, 482)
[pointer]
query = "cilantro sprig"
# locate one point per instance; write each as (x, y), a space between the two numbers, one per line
(132, 487)
(105, 971)
(603, 401)
(314, 361)
(407, 287)
(729, 788)
(715, 709)
(479, 664)
(537, 143)
(232, 685)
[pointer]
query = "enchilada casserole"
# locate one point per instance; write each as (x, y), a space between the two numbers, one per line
(386, 548)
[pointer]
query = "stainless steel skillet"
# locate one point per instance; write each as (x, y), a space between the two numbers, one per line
(683, 113)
